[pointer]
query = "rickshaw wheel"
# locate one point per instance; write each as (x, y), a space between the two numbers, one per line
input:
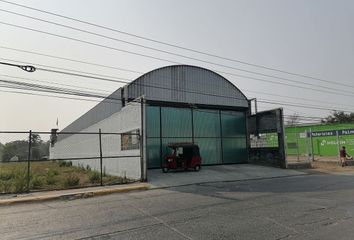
(197, 168)
(165, 169)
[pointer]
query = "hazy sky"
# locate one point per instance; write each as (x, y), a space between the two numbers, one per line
(315, 38)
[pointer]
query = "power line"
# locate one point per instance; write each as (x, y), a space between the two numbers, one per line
(302, 106)
(91, 100)
(174, 62)
(23, 67)
(59, 84)
(71, 60)
(76, 72)
(195, 92)
(237, 75)
(94, 64)
(51, 96)
(70, 91)
(167, 44)
(298, 98)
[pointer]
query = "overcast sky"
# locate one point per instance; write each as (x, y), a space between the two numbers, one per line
(314, 38)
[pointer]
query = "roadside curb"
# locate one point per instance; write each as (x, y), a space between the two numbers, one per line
(71, 196)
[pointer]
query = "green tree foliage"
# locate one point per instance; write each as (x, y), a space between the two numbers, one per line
(1, 150)
(19, 149)
(339, 117)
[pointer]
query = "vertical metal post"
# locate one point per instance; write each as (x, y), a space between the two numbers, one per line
(308, 148)
(28, 160)
(281, 138)
(101, 158)
(142, 162)
(312, 150)
(221, 138)
(297, 146)
(338, 145)
(192, 125)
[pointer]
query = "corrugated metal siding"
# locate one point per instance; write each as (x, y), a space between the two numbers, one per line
(103, 110)
(180, 83)
(187, 84)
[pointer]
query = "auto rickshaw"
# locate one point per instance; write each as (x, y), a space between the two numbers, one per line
(184, 156)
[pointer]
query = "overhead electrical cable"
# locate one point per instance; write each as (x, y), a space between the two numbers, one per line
(165, 43)
(129, 70)
(242, 76)
(174, 62)
(70, 91)
(195, 92)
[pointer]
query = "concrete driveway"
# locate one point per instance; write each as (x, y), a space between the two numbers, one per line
(220, 173)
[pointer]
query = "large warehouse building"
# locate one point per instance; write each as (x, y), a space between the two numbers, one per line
(182, 103)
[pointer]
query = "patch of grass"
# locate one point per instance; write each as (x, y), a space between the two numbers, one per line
(63, 163)
(20, 180)
(38, 182)
(5, 176)
(50, 178)
(53, 172)
(51, 175)
(94, 177)
(71, 180)
(5, 186)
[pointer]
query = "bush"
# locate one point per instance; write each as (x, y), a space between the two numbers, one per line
(88, 168)
(53, 172)
(51, 180)
(71, 180)
(5, 186)
(94, 177)
(38, 182)
(81, 167)
(20, 180)
(5, 176)
(62, 163)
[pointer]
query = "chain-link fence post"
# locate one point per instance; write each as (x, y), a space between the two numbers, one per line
(338, 146)
(28, 160)
(297, 146)
(142, 162)
(311, 145)
(100, 142)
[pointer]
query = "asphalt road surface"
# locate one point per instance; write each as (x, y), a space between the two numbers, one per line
(303, 207)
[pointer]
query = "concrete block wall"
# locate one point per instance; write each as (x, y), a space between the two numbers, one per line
(87, 145)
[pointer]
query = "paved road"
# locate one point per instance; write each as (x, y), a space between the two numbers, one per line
(299, 207)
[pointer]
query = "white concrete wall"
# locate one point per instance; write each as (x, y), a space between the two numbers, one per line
(87, 145)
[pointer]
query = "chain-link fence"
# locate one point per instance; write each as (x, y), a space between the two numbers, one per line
(320, 146)
(299, 147)
(37, 161)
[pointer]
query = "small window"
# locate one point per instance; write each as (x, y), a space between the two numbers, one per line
(130, 140)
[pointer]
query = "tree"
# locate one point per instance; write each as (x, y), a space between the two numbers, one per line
(1, 150)
(19, 148)
(339, 117)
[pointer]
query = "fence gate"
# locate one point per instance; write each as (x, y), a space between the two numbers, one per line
(267, 138)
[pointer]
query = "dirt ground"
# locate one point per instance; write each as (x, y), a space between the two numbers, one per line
(332, 167)
(324, 164)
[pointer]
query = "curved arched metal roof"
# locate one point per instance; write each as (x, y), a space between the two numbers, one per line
(176, 84)
(187, 84)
